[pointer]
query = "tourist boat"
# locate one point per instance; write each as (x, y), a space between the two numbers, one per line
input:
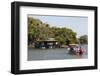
(76, 49)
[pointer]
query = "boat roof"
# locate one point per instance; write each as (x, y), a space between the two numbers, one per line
(74, 44)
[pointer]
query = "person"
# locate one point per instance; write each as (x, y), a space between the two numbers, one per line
(77, 50)
(72, 50)
(80, 51)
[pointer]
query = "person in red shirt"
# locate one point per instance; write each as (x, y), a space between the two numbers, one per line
(80, 51)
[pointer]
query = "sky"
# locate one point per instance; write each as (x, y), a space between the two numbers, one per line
(78, 24)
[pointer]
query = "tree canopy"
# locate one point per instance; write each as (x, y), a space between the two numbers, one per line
(37, 30)
(83, 39)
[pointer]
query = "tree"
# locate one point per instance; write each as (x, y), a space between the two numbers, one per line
(37, 30)
(83, 39)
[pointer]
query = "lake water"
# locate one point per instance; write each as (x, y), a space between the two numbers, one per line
(54, 54)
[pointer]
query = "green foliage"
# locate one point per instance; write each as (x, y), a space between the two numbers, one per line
(83, 39)
(37, 30)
